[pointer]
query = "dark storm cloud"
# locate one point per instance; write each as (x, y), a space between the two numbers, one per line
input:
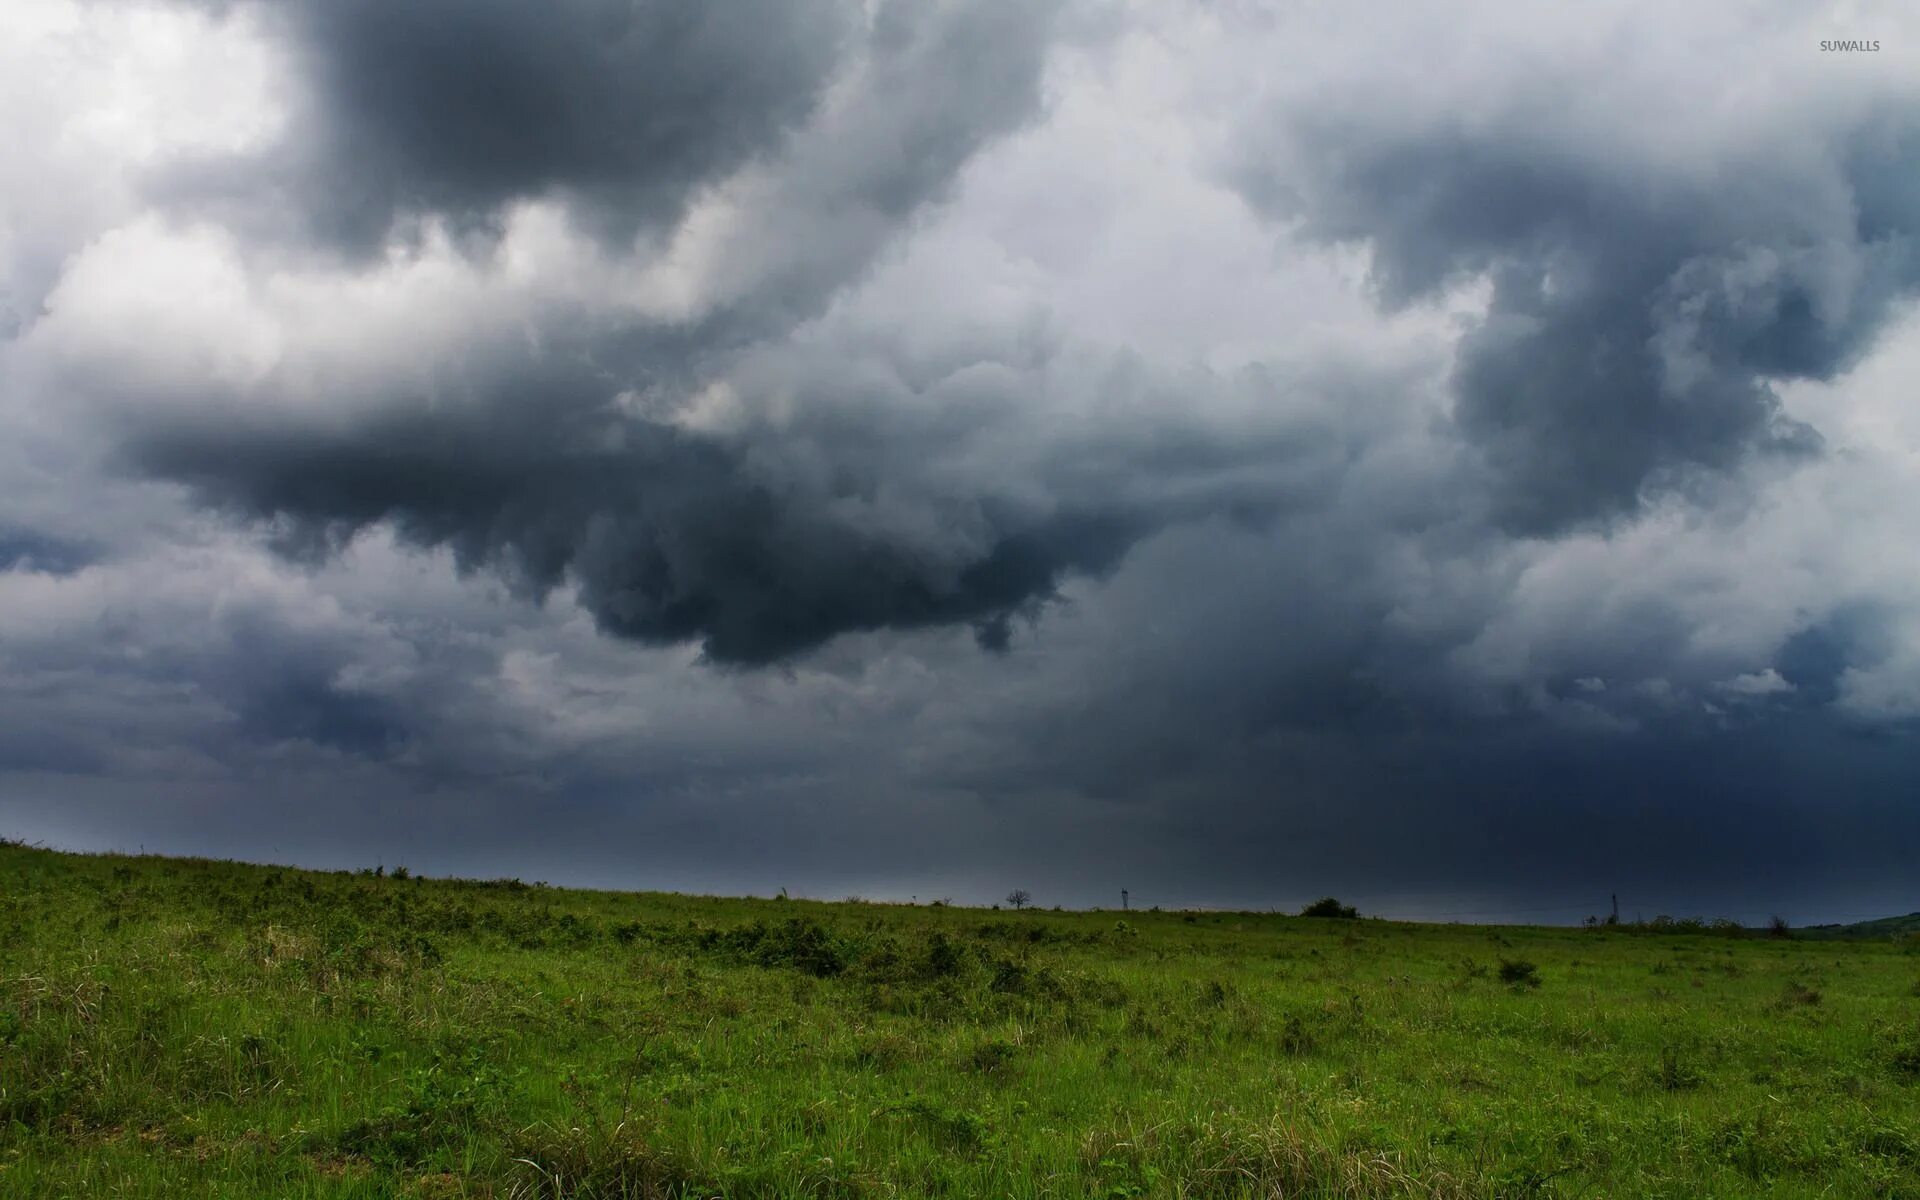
(879, 505)
(625, 111)
(671, 540)
(1640, 314)
(459, 107)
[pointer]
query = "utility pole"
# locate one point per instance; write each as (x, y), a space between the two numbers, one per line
(1123, 899)
(1616, 908)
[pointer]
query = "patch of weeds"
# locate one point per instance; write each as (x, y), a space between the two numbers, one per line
(993, 1058)
(600, 1159)
(1674, 1073)
(957, 1129)
(1295, 1038)
(1904, 1056)
(885, 1051)
(1121, 1162)
(446, 1103)
(1797, 995)
(1891, 1143)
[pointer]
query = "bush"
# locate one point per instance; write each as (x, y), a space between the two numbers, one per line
(799, 944)
(944, 957)
(1329, 907)
(1519, 972)
(1904, 1057)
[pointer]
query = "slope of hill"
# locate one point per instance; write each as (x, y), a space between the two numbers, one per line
(193, 1028)
(1883, 927)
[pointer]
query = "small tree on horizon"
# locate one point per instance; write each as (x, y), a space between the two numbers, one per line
(1019, 898)
(1329, 907)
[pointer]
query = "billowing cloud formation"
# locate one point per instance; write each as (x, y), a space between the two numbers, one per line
(576, 457)
(879, 502)
(1644, 298)
(1458, 460)
(458, 109)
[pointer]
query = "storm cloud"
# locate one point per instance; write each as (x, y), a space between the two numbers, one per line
(459, 109)
(1643, 299)
(1460, 461)
(568, 456)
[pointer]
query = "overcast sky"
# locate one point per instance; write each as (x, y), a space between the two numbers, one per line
(1464, 458)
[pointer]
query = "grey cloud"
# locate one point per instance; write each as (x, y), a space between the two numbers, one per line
(285, 686)
(832, 124)
(937, 83)
(1640, 314)
(1813, 660)
(457, 108)
(30, 550)
(670, 535)
(883, 503)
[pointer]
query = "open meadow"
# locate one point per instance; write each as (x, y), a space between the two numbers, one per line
(195, 1028)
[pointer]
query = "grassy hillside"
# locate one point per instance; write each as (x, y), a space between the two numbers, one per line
(1884, 928)
(190, 1028)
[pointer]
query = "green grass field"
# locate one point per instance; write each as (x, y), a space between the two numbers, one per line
(192, 1028)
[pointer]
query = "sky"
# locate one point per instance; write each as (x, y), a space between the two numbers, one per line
(1460, 458)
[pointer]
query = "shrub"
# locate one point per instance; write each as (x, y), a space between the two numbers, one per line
(1675, 1074)
(1009, 978)
(1294, 1037)
(993, 1057)
(1327, 906)
(944, 956)
(1519, 972)
(800, 944)
(1904, 1057)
